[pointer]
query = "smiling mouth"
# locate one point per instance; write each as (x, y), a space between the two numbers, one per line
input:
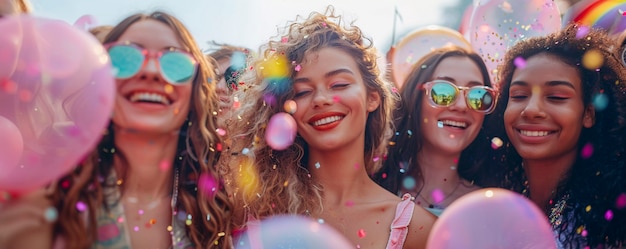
(534, 133)
(146, 97)
(450, 123)
(327, 120)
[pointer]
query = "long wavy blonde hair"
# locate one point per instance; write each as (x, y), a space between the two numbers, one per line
(196, 154)
(281, 182)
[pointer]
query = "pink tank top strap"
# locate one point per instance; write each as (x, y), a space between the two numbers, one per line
(400, 223)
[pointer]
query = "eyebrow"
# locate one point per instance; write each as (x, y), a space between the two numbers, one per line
(326, 75)
(549, 83)
(471, 83)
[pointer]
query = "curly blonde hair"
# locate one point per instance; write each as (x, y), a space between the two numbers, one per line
(284, 184)
(196, 154)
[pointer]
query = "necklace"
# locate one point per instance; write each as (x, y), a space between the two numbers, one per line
(437, 204)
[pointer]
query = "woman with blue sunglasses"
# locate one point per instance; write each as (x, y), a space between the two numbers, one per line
(151, 182)
(438, 143)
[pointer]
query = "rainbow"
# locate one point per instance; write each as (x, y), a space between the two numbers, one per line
(604, 14)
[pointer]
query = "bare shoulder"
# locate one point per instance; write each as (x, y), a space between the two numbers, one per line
(419, 228)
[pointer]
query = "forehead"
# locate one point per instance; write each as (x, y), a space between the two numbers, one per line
(460, 69)
(151, 34)
(544, 67)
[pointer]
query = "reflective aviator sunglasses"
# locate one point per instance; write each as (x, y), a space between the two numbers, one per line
(443, 93)
(175, 66)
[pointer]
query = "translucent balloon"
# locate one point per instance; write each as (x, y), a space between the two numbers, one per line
(291, 232)
(496, 25)
(417, 44)
(57, 89)
(281, 131)
(492, 218)
(12, 144)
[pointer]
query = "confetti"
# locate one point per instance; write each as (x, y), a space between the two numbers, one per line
(336, 99)
(361, 233)
(317, 165)
(608, 215)
(298, 68)
(220, 131)
(409, 182)
(582, 32)
(51, 214)
(620, 202)
(519, 62)
(81, 206)
(587, 151)
(593, 59)
(290, 106)
(140, 211)
(438, 196)
(600, 101)
(496, 143)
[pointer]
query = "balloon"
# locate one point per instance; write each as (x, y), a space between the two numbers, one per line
(291, 232)
(12, 143)
(57, 89)
(496, 25)
(602, 14)
(281, 131)
(492, 218)
(411, 48)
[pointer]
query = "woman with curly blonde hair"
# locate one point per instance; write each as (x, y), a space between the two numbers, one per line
(151, 182)
(341, 107)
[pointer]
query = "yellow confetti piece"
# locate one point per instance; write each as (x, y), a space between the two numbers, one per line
(588, 208)
(168, 89)
(276, 66)
(593, 59)
(188, 222)
(169, 228)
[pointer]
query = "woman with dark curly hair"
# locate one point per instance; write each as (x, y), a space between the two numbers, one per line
(439, 144)
(341, 108)
(562, 120)
(152, 180)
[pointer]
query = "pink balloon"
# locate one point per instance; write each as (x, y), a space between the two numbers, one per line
(281, 131)
(492, 218)
(57, 88)
(285, 231)
(496, 25)
(419, 43)
(12, 144)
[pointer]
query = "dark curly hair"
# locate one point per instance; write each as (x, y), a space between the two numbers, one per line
(593, 184)
(404, 145)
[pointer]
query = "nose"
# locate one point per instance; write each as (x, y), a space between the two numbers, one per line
(221, 87)
(150, 71)
(321, 98)
(533, 109)
(459, 103)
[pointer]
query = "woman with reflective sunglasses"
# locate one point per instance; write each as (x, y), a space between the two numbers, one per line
(562, 118)
(438, 144)
(151, 182)
(341, 108)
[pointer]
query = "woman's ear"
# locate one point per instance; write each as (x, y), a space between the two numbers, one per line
(373, 101)
(589, 117)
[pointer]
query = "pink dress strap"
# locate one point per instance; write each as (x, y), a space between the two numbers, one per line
(400, 223)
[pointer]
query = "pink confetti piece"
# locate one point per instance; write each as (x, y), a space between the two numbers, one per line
(298, 68)
(438, 195)
(519, 62)
(81, 206)
(336, 99)
(349, 203)
(361, 233)
(587, 151)
(376, 159)
(284, 40)
(165, 165)
(608, 215)
(220, 131)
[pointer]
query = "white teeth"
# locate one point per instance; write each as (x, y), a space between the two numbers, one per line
(454, 123)
(150, 97)
(534, 133)
(327, 120)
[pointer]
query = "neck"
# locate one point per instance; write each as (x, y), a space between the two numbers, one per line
(147, 162)
(341, 172)
(544, 177)
(438, 171)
